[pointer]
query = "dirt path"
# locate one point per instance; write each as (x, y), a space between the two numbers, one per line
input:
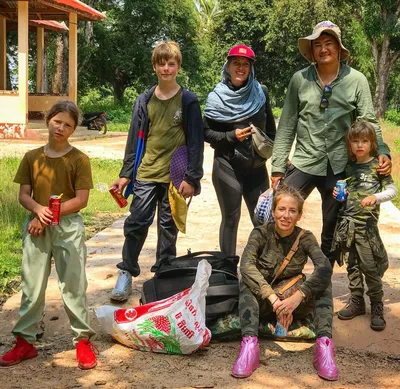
(366, 359)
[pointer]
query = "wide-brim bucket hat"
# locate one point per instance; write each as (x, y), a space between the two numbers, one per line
(327, 27)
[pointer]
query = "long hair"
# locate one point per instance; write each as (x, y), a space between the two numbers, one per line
(63, 106)
(361, 129)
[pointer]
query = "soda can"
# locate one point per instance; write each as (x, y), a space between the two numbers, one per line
(341, 188)
(120, 200)
(55, 208)
(280, 330)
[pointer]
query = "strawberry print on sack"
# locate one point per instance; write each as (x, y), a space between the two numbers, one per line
(175, 325)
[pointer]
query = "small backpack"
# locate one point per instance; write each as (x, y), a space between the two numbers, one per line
(178, 274)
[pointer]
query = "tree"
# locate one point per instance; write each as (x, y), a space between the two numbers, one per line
(208, 11)
(288, 20)
(272, 29)
(381, 24)
(122, 44)
(241, 22)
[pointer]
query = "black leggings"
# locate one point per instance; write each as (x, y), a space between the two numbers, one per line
(230, 185)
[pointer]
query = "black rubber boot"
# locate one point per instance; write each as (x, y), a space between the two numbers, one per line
(355, 307)
(378, 322)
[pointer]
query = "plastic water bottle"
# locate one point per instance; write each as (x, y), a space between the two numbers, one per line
(280, 330)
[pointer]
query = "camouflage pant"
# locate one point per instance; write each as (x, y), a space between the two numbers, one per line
(361, 261)
(252, 309)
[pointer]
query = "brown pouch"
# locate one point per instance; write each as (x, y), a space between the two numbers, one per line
(289, 286)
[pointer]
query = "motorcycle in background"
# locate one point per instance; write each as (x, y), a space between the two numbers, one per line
(95, 121)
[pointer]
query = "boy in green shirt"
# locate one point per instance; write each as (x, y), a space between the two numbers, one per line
(164, 118)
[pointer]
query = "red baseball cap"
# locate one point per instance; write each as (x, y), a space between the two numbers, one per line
(242, 51)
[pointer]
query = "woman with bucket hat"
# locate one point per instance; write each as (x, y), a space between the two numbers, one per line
(322, 102)
(236, 103)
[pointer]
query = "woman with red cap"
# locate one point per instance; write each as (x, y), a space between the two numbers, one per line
(235, 103)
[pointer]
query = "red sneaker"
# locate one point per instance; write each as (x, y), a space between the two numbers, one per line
(85, 354)
(22, 350)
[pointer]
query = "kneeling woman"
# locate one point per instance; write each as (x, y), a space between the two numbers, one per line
(266, 249)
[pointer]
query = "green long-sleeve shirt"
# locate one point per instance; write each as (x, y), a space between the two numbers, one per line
(321, 132)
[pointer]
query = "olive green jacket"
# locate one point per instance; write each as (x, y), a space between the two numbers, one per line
(264, 254)
(321, 132)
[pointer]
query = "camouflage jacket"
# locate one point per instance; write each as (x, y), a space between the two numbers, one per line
(264, 254)
(363, 180)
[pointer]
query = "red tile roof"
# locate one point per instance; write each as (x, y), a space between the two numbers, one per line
(50, 24)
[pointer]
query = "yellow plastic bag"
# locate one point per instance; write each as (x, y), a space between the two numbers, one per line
(179, 207)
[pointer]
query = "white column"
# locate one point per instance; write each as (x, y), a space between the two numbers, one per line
(23, 59)
(3, 49)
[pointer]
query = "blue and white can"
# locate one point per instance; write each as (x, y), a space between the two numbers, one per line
(280, 330)
(341, 188)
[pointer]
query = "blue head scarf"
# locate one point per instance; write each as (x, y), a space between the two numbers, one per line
(225, 104)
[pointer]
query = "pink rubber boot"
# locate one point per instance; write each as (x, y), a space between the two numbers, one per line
(248, 359)
(324, 359)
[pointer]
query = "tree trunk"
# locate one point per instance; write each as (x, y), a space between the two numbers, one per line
(383, 61)
(119, 86)
(45, 86)
(8, 75)
(58, 66)
(65, 63)
(118, 91)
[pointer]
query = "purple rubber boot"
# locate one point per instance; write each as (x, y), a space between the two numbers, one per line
(324, 359)
(248, 359)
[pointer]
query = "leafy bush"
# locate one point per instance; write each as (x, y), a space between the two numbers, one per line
(103, 100)
(393, 116)
(277, 112)
(119, 114)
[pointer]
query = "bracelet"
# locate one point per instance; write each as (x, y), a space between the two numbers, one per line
(303, 294)
(272, 304)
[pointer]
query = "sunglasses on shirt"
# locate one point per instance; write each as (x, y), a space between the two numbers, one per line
(326, 93)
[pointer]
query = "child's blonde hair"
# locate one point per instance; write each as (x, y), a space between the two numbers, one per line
(361, 129)
(164, 51)
(63, 106)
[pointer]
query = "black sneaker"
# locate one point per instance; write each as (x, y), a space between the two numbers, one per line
(355, 307)
(378, 322)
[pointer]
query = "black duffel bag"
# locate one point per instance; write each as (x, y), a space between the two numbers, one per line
(178, 274)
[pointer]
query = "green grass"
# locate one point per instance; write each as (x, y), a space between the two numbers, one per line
(100, 212)
(118, 127)
(391, 135)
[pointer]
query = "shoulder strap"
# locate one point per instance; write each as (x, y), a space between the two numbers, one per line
(288, 257)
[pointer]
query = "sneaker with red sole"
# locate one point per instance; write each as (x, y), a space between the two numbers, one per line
(85, 354)
(22, 350)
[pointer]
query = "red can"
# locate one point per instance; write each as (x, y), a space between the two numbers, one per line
(121, 200)
(55, 208)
